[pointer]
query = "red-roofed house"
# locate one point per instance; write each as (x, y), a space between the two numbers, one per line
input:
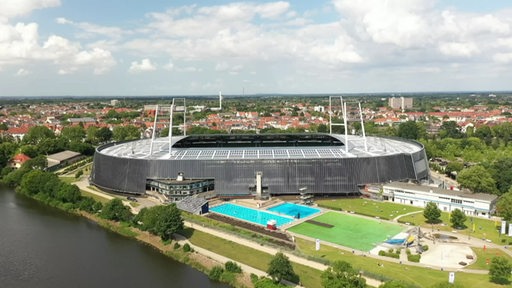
(18, 160)
(18, 132)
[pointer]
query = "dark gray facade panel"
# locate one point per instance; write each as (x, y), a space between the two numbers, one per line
(281, 176)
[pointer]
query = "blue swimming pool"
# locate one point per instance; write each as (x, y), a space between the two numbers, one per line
(294, 210)
(252, 215)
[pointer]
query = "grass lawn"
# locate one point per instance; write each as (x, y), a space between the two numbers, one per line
(421, 277)
(94, 196)
(351, 231)
(384, 210)
(308, 276)
(482, 256)
(484, 228)
(68, 180)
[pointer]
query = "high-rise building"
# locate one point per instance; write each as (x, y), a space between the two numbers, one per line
(400, 103)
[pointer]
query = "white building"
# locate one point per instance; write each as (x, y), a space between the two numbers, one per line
(400, 103)
(319, 109)
(472, 204)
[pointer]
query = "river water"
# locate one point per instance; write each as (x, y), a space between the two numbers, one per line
(41, 246)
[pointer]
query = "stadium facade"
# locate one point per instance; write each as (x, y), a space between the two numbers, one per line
(324, 163)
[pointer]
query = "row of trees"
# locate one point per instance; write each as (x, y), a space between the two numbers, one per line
(432, 214)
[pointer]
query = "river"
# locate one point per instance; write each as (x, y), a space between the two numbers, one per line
(41, 246)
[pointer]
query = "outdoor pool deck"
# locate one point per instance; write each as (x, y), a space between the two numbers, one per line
(348, 230)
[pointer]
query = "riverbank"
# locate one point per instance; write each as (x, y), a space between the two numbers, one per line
(196, 260)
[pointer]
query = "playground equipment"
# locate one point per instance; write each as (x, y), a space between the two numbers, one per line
(395, 241)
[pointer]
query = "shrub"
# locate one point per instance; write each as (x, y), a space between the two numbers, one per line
(216, 273)
(177, 245)
(424, 247)
(414, 258)
(254, 278)
(232, 267)
(391, 253)
(187, 248)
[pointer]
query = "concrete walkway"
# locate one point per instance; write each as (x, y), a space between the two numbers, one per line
(406, 214)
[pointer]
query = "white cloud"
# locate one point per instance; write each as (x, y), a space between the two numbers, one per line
(89, 30)
(402, 23)
(142, 66)
(15, 8)
(22, 72)
(20, 44)
(459, 49)
(503, 58)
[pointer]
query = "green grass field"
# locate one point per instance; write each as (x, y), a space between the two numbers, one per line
(482, 257)
(418, 276)
(350, 231)
(484, 228)
(384, 210)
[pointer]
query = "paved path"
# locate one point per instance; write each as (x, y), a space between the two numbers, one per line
(406, 214)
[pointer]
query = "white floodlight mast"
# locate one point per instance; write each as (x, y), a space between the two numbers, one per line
(345, 120)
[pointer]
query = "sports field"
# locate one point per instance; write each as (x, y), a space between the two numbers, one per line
(347, 230)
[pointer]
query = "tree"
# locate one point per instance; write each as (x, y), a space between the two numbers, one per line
(281, 268)
(169, 222)
(163, 220)
(477, 179)
(116, 211)
(73, 133)
(68, 193)
(453, 166)
(499, 271)
(500, 174)
(450, 129)
(504, 206)
(37, 134)
(129, 132)
(408, 130)
(103, 135)
(33, 181)
(432, 213)
(342, 275)
(457, 218)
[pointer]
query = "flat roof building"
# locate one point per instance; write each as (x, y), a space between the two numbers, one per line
(472, 204)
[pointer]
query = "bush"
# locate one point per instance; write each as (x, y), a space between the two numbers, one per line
(414, 258)
(254, 278)
(79, 173)
(391, 254)
(216, 273)
(232, 267)
(177, 245)
(424, 247)
(187, 248)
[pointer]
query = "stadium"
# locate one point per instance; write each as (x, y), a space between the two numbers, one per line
(239, 164)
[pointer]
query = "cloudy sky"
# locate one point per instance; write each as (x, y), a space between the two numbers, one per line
(166, 47)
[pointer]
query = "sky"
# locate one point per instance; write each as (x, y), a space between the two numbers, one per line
(166, 47)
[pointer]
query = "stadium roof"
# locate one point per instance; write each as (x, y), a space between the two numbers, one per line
(295, 146)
